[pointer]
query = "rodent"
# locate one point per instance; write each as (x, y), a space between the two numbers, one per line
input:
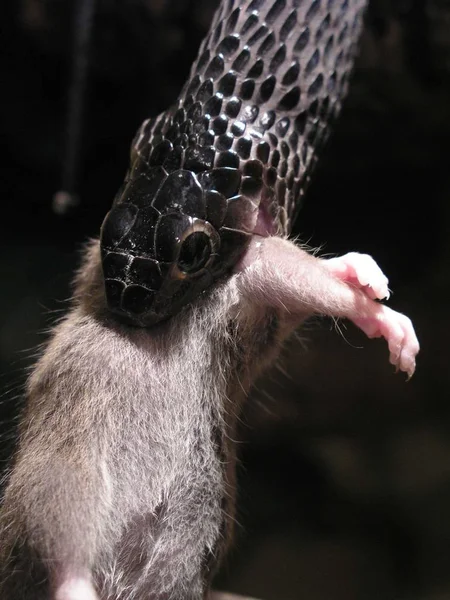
(122, 486)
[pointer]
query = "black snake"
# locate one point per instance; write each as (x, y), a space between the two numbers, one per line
(233, 156)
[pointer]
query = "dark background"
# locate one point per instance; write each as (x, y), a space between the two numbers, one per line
(345, 475)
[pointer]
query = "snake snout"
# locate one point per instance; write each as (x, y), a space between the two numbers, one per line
(154, 263)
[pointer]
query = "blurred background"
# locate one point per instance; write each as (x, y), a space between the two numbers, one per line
(344, 481)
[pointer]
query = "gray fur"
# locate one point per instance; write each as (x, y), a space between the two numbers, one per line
(125, 465)
(124, 474)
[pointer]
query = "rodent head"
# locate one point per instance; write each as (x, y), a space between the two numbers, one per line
(166, 239)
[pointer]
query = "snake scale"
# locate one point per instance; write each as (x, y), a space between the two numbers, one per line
(233, 156)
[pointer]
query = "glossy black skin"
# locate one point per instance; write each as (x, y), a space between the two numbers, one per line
(150, 269)
(233, 156)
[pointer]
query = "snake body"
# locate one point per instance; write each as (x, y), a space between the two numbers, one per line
(233, 156)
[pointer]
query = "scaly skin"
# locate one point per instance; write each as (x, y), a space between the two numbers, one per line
(233, 156)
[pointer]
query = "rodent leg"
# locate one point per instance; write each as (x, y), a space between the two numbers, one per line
(398, 331)
(361, 271)
(75, 587)
(279, 274)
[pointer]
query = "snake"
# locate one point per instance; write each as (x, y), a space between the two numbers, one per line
(232, 157)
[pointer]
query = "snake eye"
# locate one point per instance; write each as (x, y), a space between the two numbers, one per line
(199, 246)
(195, 252)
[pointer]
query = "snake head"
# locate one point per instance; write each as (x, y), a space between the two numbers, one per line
(167, 237)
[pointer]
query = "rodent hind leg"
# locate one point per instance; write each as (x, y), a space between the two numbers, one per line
(49, 528)
(71, 585)
(276, 273)
(24, 576)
